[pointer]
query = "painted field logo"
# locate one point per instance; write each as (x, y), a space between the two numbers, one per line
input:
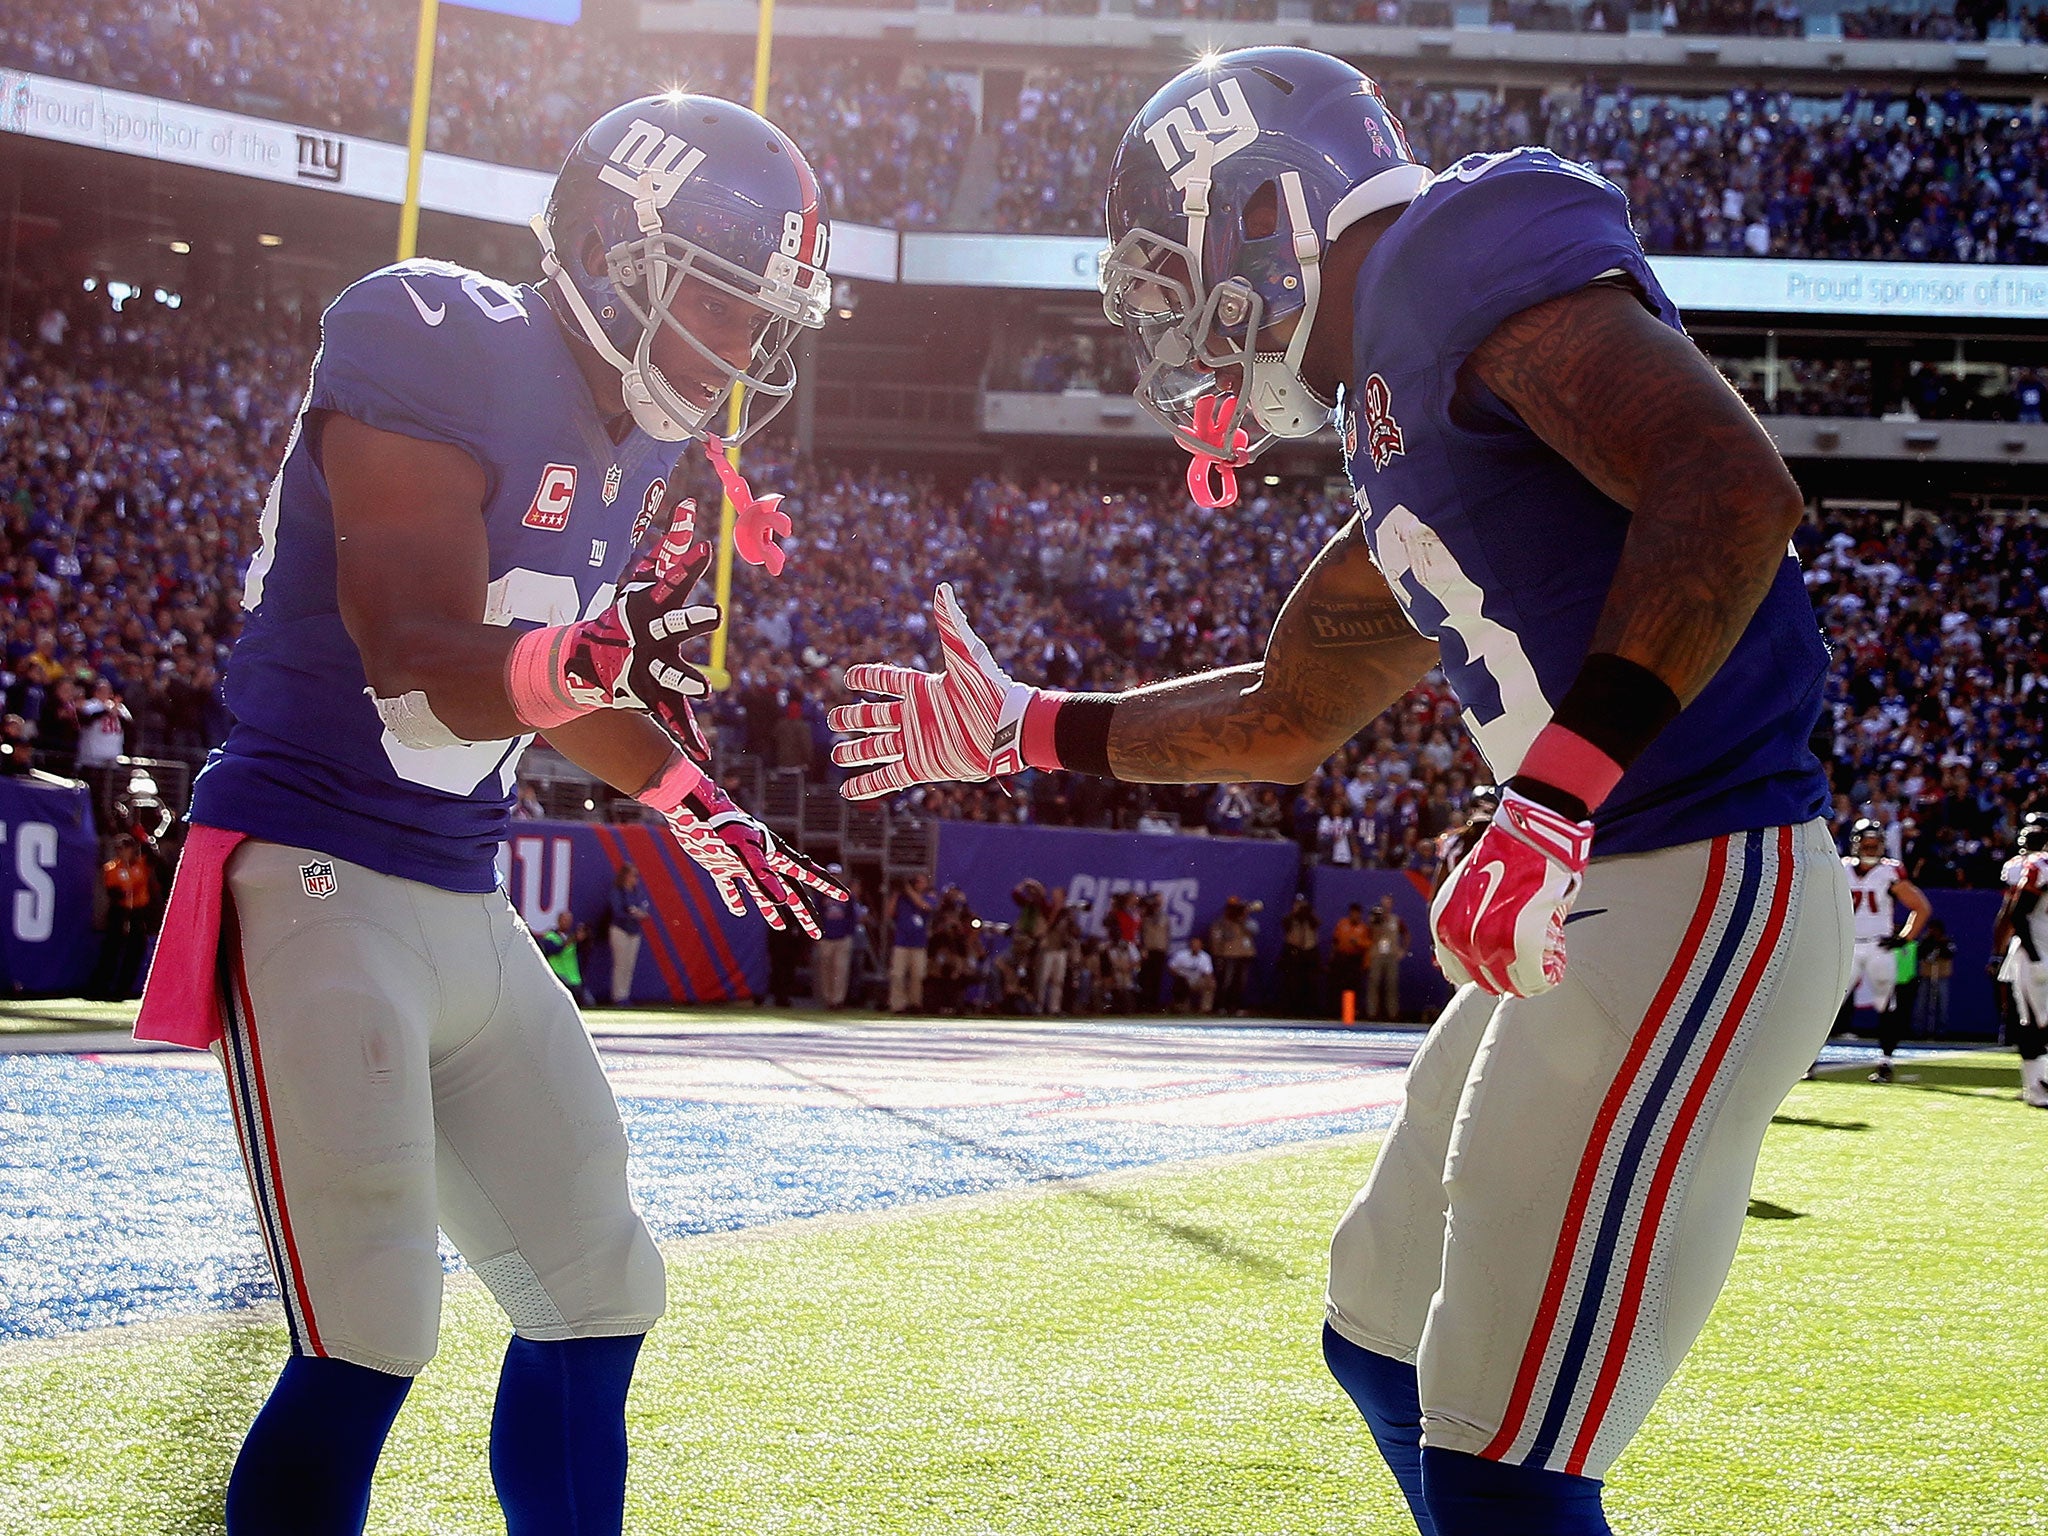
(1382, 432)
(553, 499)
(318, 879)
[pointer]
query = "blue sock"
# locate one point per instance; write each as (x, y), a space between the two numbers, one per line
(1471, 1496)
(305, 1468)
(1385, 1392)
(558, 1436)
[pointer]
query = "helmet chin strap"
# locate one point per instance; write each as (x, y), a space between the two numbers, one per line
(647, 415)
(1281, 399)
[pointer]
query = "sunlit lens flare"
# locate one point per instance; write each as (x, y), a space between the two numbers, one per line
(1209, 58)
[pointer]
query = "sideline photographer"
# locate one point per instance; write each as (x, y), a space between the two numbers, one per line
(1233, 943)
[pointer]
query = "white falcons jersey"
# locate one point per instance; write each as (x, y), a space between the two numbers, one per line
(2029, 872)
(1870, 896)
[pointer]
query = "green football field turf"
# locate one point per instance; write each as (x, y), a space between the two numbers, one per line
(1138, 1354)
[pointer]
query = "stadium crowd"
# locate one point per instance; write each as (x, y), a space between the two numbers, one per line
(1908, 178)
(135, 452)
(135, 449)
(1915, 178)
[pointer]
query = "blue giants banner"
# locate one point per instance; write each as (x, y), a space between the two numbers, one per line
(1967, 1005)
(49, 859)
(1195, 875)
(694, 951)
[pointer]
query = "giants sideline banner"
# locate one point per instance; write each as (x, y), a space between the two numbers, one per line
(49, 859)
(1195, 875)
(694, 951)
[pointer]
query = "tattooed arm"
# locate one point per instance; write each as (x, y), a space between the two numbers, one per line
(1642, 414)
(1341, 651)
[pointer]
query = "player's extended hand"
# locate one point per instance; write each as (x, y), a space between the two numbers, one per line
(1499, 918)
(962, 724)
(746, 864)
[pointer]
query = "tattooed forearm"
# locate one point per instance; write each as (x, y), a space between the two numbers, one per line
(1341, 652)
(1642, 414)
(1195, 730)
(1330, 624)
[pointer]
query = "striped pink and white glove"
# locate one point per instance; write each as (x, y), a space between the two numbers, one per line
(962, 725)
(745, 862)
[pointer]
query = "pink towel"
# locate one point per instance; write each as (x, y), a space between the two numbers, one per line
(181, 1002)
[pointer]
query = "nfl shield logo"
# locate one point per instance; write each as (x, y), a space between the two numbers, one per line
(610, 492)
(318, 879)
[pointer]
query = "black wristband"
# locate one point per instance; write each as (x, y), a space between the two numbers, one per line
(1620, 706)
(1549, 795)
(1080, 733)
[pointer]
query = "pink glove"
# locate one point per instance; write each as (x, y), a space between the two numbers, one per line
(756, 523)
(745, 863)
(1499, 918)
(964, 724)
(629, 656)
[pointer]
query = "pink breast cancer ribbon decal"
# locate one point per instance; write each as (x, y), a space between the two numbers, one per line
(757, 522)
(1212, 478)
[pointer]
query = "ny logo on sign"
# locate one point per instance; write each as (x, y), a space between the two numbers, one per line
(320, 158)
(650, 164)
(1214, 125)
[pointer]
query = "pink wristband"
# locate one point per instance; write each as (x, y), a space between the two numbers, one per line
(678, 780)
(1562, 758)
(1035, 740)
(533, 679)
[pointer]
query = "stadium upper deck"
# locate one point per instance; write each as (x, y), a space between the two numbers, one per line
(966, 126)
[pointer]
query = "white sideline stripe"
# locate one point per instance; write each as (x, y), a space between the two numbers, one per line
(25, 1354)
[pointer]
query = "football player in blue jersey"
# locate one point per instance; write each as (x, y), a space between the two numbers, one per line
(1562, 505)
(440, 577)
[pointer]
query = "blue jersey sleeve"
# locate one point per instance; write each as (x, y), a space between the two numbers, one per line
(399, 351)
(1498, 234)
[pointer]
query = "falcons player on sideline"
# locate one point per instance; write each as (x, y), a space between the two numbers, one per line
(2019, 943)
(473, 460)
(1565, 507)
(1876, 883)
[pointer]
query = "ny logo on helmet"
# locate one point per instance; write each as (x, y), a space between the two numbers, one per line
(650, 164)
(1214, 125)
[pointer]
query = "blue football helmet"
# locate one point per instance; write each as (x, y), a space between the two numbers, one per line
(674, 189)
(1191, 290)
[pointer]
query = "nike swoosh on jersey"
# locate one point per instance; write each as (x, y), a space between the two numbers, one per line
(1573, 917)
(433, 315)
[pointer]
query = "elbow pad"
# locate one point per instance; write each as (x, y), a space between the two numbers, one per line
(412, 721)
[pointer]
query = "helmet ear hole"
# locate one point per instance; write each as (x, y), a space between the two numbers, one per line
(1261, 218)
(592, 255)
